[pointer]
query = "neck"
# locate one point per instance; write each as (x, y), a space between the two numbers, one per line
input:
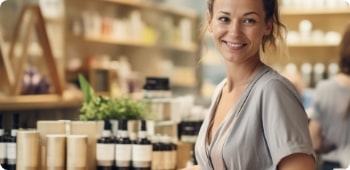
(240, 76)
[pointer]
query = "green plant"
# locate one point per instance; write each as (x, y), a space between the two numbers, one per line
(102, 108)
(126, 108)
(93, 108)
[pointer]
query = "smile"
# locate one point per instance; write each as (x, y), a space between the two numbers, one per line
(235, 45)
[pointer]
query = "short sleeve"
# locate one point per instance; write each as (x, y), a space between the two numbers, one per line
(284, 121)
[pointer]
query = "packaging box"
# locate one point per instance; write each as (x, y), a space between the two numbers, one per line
(92, 129)
(46, 128)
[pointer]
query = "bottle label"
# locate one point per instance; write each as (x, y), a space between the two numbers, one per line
(11, 151)
(105, 153)
(123, 152)
(13, 132)
(141, 152)
(123, 133)
(2, 153)
(141, 164)
(105, 163)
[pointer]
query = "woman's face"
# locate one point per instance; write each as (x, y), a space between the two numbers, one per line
(237, 27)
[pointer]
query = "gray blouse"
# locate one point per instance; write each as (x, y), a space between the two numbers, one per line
(267, 124)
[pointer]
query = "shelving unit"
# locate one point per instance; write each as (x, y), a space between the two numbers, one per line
(45, 40)
(323, 19)
(155, 43)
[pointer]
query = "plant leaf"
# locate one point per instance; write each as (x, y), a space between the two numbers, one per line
(87, 90)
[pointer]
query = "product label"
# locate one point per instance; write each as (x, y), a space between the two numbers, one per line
(11, 151)
(2, 151)
(105, 152)
(123, 152)
(141, 164)
(141, 152)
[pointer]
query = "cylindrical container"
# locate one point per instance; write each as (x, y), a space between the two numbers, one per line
(28, 150)
(55, 152)
(77, 152)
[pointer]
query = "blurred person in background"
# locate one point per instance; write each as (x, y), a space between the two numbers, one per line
(330, 119)
(256, 120)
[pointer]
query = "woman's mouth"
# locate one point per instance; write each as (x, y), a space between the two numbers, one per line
(234, 45)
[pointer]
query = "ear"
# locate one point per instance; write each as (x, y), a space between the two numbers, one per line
(268, 28)
(208, 21)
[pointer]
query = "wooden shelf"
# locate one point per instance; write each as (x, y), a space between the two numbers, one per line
(29, 102)
(185, 47)
(312, 44)
(189, 47)
(319, 11)
(314, 11)
(114, 41)
(169, 33)
(150, 5)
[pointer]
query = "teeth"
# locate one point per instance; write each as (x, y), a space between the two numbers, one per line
(236, 45)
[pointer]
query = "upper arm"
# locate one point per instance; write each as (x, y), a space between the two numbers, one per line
(285, 123)
(296, 162)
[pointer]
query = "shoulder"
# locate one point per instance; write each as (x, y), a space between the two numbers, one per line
(272, 81)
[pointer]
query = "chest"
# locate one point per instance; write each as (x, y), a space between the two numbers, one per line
(224, 107)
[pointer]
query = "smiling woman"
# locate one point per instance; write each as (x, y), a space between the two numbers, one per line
(256, 119)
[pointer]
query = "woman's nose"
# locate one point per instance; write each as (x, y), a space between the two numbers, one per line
(235, 27)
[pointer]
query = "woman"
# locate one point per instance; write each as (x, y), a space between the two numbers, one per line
(256, 120)
(330, 120)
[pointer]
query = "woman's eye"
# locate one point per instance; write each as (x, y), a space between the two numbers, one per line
(224, 19)
(249, 21)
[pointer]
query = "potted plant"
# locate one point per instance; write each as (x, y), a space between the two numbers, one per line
(93, 107)
(113, 109)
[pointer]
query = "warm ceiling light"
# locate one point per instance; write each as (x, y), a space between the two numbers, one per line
(347, 1)
(1, 1)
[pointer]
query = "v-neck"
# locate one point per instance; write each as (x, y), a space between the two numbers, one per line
(233, 108)
(236, 109)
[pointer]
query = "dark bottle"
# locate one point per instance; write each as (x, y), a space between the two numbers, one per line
(11, 144)
(2, 144)
(142, 150)
(105, 149)
(123, 147)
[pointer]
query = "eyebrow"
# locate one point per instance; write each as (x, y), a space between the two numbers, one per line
(245, 14)
(250, 13)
